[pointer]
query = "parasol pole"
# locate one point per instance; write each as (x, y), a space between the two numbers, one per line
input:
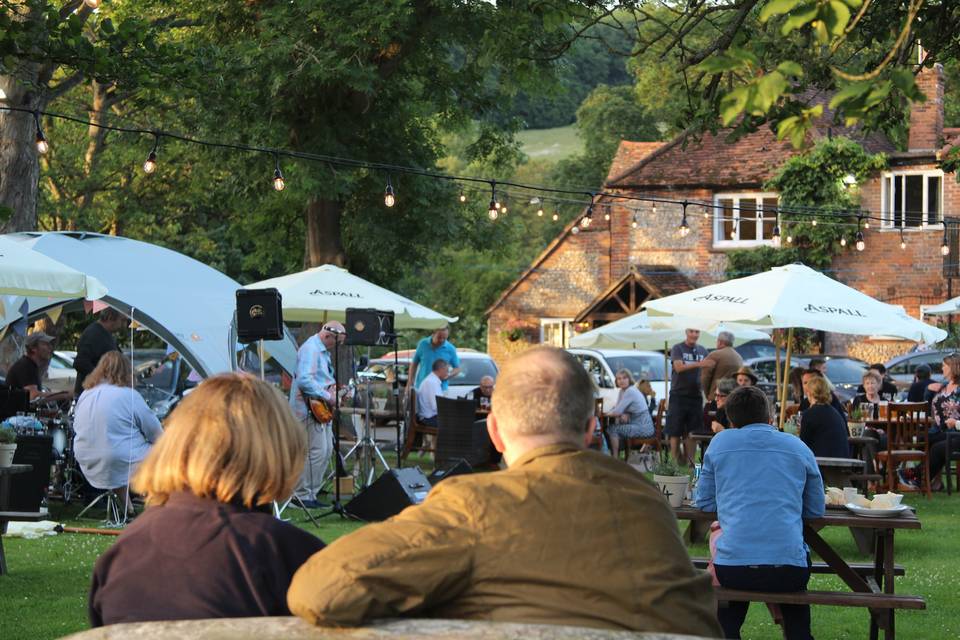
(786, 379)
(666, 368)
(776, 369)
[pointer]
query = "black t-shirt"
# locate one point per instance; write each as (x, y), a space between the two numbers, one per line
(477, 394)
(687, 383)
(94, 342)
(23, 373)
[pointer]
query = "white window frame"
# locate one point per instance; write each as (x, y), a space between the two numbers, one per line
(566, 328)
(887, 211)
(719, 239)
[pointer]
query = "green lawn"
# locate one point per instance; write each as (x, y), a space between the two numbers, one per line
(44, 596)
(551, 144)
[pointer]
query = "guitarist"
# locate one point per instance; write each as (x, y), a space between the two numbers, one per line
(314, 379)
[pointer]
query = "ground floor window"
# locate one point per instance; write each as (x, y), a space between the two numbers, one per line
(556, 332)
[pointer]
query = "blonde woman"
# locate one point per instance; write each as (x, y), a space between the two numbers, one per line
(207, 545)
(114, 426)
(822, 427)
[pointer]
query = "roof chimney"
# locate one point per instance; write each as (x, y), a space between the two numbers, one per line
(926, 118)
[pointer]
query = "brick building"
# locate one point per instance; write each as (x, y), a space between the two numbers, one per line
(587, 277)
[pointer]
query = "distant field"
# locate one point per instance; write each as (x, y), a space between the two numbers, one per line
(550, 144)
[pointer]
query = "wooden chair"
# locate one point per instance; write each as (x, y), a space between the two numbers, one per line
(600, 433)
(907, 441)
(656, 441)
(953, 456)
(414, 427)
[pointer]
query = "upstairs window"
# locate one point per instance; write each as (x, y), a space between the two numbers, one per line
(744, 219)
(912, 199)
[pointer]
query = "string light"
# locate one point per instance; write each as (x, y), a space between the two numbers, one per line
(278, 182)
(813, 222)
(945, 247)
(903, 243)
(503, 207)
(463, 196)
(776, 236)
(388, 198)
(575, 230)
(494, 209)
(540, 211)
(606, 213)
(150, 164)
(633, 223)
(556, 215)
(860, 244)
(42, 145)
(789, 239)
(93, 4)
(843, 242)
(684, 228)
(587, 219)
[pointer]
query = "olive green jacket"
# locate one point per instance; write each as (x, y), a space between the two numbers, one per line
(564, 536)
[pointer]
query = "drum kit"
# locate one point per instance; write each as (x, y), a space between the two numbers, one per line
(55, 420)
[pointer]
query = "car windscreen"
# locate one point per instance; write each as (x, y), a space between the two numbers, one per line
(640, 366)
(845, 371)
(471, 370)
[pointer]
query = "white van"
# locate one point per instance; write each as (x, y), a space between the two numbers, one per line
(603, 364)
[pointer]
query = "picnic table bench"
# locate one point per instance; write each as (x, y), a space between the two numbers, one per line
(872, 585)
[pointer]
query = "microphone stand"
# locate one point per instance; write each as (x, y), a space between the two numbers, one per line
(338, 471)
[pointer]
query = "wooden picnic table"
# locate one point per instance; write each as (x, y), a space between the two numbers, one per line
(879, 582)
(837, 472)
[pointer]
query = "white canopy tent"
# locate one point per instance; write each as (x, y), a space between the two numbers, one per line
(326, 292)
(185, 302)
(635, 332)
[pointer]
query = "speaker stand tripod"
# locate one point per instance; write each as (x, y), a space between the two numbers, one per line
(366, 448)
(338, 471)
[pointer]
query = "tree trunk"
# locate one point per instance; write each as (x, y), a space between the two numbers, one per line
(323, 243)
(19, 167)
(96, 139)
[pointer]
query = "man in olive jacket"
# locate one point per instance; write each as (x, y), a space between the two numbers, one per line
(565, 535)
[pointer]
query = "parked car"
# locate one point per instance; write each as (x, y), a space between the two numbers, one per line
(603, 364)
(902, 368)
(844, 372)
(473, 366)
(758, 349)
(162, 378)
(60, 375)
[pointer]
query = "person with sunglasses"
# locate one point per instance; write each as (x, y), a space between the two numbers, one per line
(314, 379)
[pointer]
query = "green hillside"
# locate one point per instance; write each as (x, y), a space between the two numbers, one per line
(551, 144)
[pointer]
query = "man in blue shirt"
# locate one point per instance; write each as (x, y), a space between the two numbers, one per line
(314, 379)
(428, 350)
(762, 483)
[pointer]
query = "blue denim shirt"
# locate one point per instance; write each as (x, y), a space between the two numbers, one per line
(762, 483)
(313, 377)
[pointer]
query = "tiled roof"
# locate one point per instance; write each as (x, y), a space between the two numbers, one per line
(630, 153)
(665, 279)
(716, 161)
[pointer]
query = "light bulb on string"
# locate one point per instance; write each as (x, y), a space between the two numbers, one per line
(653, 209)
(492, 212)
(93, 4)
(861, 245)
(634, 222)
(575, 230)
(463, 196)
(503, 207)
(776, 236)
(866, 224)
(789, 239)
(278, 182)
(389, 199)
(684, 228)
(843, 242)
(945, 246)
(903, 242)
(587, 218)
(556, 215)
(813, 222)
(42, 145)
(150, 164)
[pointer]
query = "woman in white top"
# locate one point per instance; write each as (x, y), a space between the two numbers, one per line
(114, 426)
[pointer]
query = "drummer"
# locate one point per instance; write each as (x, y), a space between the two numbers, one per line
(26, 373)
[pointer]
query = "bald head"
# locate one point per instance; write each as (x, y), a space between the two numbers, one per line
(331, 333)
(543, 392)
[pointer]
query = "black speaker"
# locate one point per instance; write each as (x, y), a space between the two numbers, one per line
(452, 468)
(259, 315)
(28, 489)
(370, 327)
(390, 494)
(13, 401)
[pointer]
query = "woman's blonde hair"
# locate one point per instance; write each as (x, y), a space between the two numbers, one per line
(819, 390)
(232, 439)
(113, 368)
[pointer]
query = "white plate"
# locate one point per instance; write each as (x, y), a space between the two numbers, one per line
(878, 513)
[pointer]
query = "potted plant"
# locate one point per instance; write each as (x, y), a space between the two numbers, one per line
(8, 445)
(672, 480)
(515, 329)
